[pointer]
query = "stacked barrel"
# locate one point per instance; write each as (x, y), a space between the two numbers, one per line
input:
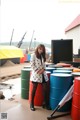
(60, 80)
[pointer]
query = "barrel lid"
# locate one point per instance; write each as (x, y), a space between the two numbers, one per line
(48, 72)
(77, 78)
(27, 66)
(76, 73)
(63, 71)
(65, 68)
(26, 69)
(61, 74)
(49, 68)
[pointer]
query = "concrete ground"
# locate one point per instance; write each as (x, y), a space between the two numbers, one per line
(18, 108)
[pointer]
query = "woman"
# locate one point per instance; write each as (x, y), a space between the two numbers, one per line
(39, 75)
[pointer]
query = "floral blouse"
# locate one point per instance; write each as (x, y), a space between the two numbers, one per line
(36, 65)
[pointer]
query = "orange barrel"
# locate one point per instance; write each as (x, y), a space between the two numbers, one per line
(25, 57)
(22, 60)
(75, 112)
(38, 100)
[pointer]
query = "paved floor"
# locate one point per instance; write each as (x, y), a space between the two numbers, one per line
(22, 111)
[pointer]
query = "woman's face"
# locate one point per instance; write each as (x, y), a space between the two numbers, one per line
(40, 50)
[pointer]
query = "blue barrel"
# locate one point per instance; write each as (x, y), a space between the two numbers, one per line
(49, 64)
(28, 57)
(62, 71)
(59, 85)
(50, 69)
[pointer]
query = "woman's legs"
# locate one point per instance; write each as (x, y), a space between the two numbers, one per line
(45, 93)
(46, 96)
(33, 95)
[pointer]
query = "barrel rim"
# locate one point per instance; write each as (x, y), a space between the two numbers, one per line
(66, 68)
(77, 78)
(61, 75)
(65, 71)
(50, 68)
(28, 69)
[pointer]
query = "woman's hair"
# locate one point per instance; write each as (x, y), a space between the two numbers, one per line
(44, 52)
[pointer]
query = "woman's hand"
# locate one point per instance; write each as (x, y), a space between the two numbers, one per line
(40, 71)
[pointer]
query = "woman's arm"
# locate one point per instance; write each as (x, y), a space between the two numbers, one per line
(32, 62)
(41, 71)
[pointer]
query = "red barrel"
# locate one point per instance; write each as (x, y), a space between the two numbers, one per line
(75, 113)
(38, 100)
(23, 59)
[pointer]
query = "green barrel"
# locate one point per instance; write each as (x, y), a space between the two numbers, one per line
(27, 67)
(25, 78)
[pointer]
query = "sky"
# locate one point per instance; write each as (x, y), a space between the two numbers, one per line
(47, 18)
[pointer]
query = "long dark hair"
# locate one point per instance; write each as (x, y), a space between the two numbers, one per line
(43, 54)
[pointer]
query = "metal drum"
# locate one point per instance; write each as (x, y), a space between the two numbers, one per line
(38, 100)
(62, 71)
(50, 69)
(48, 85)
(25, 78)
(75, 113)
(59, 85)
(76, 74)
(27, 66)
(65, 68)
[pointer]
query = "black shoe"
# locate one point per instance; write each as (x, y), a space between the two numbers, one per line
(2, 97)
(48, 107)
(43, 105)
(32, 107)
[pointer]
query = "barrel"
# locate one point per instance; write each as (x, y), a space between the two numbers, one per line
(59, 85)
(25, 77)
(38, 100)
(55, 66)
(28, 57)
(75, 112)
(50, 69)
(62, 71)
(65, 68)
(48, 85)
(49, 64)
(27, 66)
(76, 74)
